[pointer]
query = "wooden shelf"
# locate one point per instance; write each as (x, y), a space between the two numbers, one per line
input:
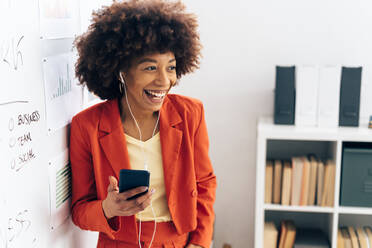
(354, 210)
(286, 141)
(305, 209)
(267, 128)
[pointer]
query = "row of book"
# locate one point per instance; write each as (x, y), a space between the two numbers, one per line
(350, 237)
(301, 181)
(317, 96)
(292, 237)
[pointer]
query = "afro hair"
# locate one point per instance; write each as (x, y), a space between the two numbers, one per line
(127, 30)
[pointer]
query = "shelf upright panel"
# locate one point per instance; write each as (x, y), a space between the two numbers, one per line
(260, 190)
(335, 229)
(338, 160)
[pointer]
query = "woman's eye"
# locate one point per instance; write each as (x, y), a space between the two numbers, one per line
(172, 68)
(150, 68)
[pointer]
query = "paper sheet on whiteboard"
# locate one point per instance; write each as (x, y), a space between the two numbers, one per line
(58, 18)
(63, 97)
(60, 189)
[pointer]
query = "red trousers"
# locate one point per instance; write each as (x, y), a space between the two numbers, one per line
(166, 236)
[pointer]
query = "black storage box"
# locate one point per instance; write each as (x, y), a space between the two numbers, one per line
(356, 176)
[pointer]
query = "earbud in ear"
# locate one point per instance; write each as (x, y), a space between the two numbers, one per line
(121, 78)
(174, 83)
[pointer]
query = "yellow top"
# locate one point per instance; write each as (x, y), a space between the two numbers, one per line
(151, 151)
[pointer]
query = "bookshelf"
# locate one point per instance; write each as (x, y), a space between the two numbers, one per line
(285, 141)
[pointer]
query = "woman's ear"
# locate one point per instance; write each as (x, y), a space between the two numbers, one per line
(176, 82)
(121, 78)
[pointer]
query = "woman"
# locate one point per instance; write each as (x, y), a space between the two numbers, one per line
(131, 56)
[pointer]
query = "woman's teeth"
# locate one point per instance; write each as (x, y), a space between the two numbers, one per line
(159, 94)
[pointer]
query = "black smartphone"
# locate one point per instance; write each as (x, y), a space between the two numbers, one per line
(129, 179)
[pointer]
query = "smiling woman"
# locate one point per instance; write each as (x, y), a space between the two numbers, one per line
(149, 79)
(133, 53)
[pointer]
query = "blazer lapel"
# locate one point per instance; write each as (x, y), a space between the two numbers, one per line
(170, 138)
(113, 141)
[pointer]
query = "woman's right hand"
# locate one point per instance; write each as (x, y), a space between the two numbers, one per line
(116, 204)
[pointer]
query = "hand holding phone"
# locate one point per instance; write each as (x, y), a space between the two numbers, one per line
(117, 204)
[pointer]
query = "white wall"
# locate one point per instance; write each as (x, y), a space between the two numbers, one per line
(243, 41)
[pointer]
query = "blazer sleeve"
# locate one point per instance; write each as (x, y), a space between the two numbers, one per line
(86, 209)
(206, 187)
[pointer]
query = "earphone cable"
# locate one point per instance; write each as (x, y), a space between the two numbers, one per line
(145, 158)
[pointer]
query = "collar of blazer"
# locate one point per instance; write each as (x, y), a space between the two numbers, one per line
(114, 145)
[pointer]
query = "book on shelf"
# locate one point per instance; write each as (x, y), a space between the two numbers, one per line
(271, 235)
(291, 234)
(320, 183)
(313, 179)
(353, 237)
(311, 238)
(285, 90)
(305, 181)
(297, 168)
(326, 185)
(368, 232)
(340, 239)
(307, 83)
(283, 233)
(346, 237)
(269, 172)
(329, 96)
(331, 190)
(286, 182)
(287, 234)
(277, 181)
(351, 78)
(329, 184)
(362, 237)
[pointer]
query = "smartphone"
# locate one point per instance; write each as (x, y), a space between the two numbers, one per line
(129, 179)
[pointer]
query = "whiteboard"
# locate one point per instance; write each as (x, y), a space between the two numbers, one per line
(30, 147)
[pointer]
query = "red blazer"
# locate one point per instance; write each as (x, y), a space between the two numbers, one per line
(98, 150)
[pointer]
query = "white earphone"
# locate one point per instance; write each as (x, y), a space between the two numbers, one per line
(145, 163)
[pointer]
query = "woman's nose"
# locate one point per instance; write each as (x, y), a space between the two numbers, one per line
(163, 78)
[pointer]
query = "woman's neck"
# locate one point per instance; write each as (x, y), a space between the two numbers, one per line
(139, 115)
(147, 121)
